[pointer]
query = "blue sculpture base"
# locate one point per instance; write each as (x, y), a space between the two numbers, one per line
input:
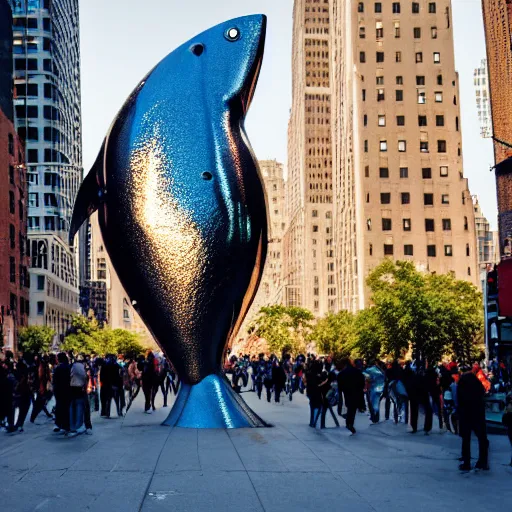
(211, 404)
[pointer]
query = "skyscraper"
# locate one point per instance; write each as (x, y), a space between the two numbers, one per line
(48, 119)
(375, 162)
(483, 101)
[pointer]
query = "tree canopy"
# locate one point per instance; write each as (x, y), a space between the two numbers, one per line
(36, 339)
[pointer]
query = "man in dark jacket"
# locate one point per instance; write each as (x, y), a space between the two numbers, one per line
(278, 378)
(351, 384)
(62, 392)
(471, 407)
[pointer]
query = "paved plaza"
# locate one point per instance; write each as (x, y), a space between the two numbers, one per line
(134, 464)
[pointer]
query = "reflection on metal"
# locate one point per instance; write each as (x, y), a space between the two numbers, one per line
(182, 210)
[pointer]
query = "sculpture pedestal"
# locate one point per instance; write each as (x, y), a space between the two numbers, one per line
(211, 404)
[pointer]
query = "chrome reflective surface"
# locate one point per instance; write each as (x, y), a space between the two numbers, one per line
(181, 203)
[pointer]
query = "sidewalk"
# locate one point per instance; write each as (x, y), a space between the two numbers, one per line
(135, 464)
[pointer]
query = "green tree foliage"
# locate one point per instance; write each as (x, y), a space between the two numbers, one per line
(86, 336)
(335, 333)
(36, 339)
(430, 313)
(371, 335)
(285, 329)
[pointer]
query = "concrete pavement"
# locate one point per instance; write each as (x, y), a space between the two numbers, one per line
(135, 464)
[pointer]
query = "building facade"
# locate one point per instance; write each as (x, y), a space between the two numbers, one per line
(483, 101)
(497, 15)
(48, 118)
(14, 277)
(375, 157)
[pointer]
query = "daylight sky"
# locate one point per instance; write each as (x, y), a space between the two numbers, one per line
(121, 40)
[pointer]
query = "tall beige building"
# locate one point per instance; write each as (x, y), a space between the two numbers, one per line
(488, 253)
(375, 162)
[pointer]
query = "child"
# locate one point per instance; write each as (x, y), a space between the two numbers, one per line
(507, 419)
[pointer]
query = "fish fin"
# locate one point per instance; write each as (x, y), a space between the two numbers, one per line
(88, 198)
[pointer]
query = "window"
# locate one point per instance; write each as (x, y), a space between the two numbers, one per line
(396, 7)
(367, 171)
(399, 80)
(397, 29)
(404, 172)
(437, 57)
(40, 308)
(11, 174)
(440, 120)
(441, 146)
(370, 249)
(380, 80)
(388, 250)
(367, 197)
(362, 57)
(378, 7)
(426, 173)
(406, 224)
(422, 120)
(432, 7)
(406, 197)
(399, 95)
(12, 269)
(315, 228)
(398, 56)
(380, 94)
(417, 32)
(457, 123)
(379, 31)
(402, 146)
(12, 203)
(12, 236)
(433, 32)
(360, 7)
(419, 57)
(421, 98)
(379, 56)
(32, 156)
(448, 251)
(447, 224)
(366, 146)
(40, 282)
(420, 80)
(467, 250)
(429, 224)
(382, 120)
(363, 94)
(423, 146)
(369, 224)
(383, 145)
(415, 8)
(314, 213)
(365, 120)
(386, 224)
(431, 251)
(469, 271)
(428, 199)
(438, 97)
(361, 33)
(408, 250)
(445, 199)
(443, 171)
(385, 198)
(400, 120)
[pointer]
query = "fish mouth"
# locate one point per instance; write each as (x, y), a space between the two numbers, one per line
(259, 27)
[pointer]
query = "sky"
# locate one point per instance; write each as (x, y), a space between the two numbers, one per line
(121, 40)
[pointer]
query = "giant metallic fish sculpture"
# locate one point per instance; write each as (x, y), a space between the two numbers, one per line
(182, 210)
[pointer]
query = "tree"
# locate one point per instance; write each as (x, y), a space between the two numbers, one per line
(36, 339)
(433, 314)
(285, 329)
(371, 335)
(335, 333)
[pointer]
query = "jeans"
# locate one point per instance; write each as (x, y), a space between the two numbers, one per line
(23, 407)
(76, 409)
(315, 411)
(477, 425)
(326, 407)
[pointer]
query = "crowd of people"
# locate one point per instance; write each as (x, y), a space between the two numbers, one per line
(452, 392)
(76, 385)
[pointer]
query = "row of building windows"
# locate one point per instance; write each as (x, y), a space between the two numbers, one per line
(23, 276)
(400, 120)
(379, 57)
(407, 225)
(405, 198)
(409, 251)
(421, 96)
(402, 146)
(420, 79)
(426, 172)
(379, 31)
(396, 7)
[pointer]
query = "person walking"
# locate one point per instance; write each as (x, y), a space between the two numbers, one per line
(312, 378)
(471, 408)
(327, 378)
(351, 383)
(62, 392)
(44, 392)
(149, 379)
(78, 382)
(279, 379)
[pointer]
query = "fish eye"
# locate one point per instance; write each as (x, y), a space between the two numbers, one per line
(232, 34)
(206, 176)
(197, 49)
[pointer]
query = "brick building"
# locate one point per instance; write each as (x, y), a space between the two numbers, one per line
(14, 280)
